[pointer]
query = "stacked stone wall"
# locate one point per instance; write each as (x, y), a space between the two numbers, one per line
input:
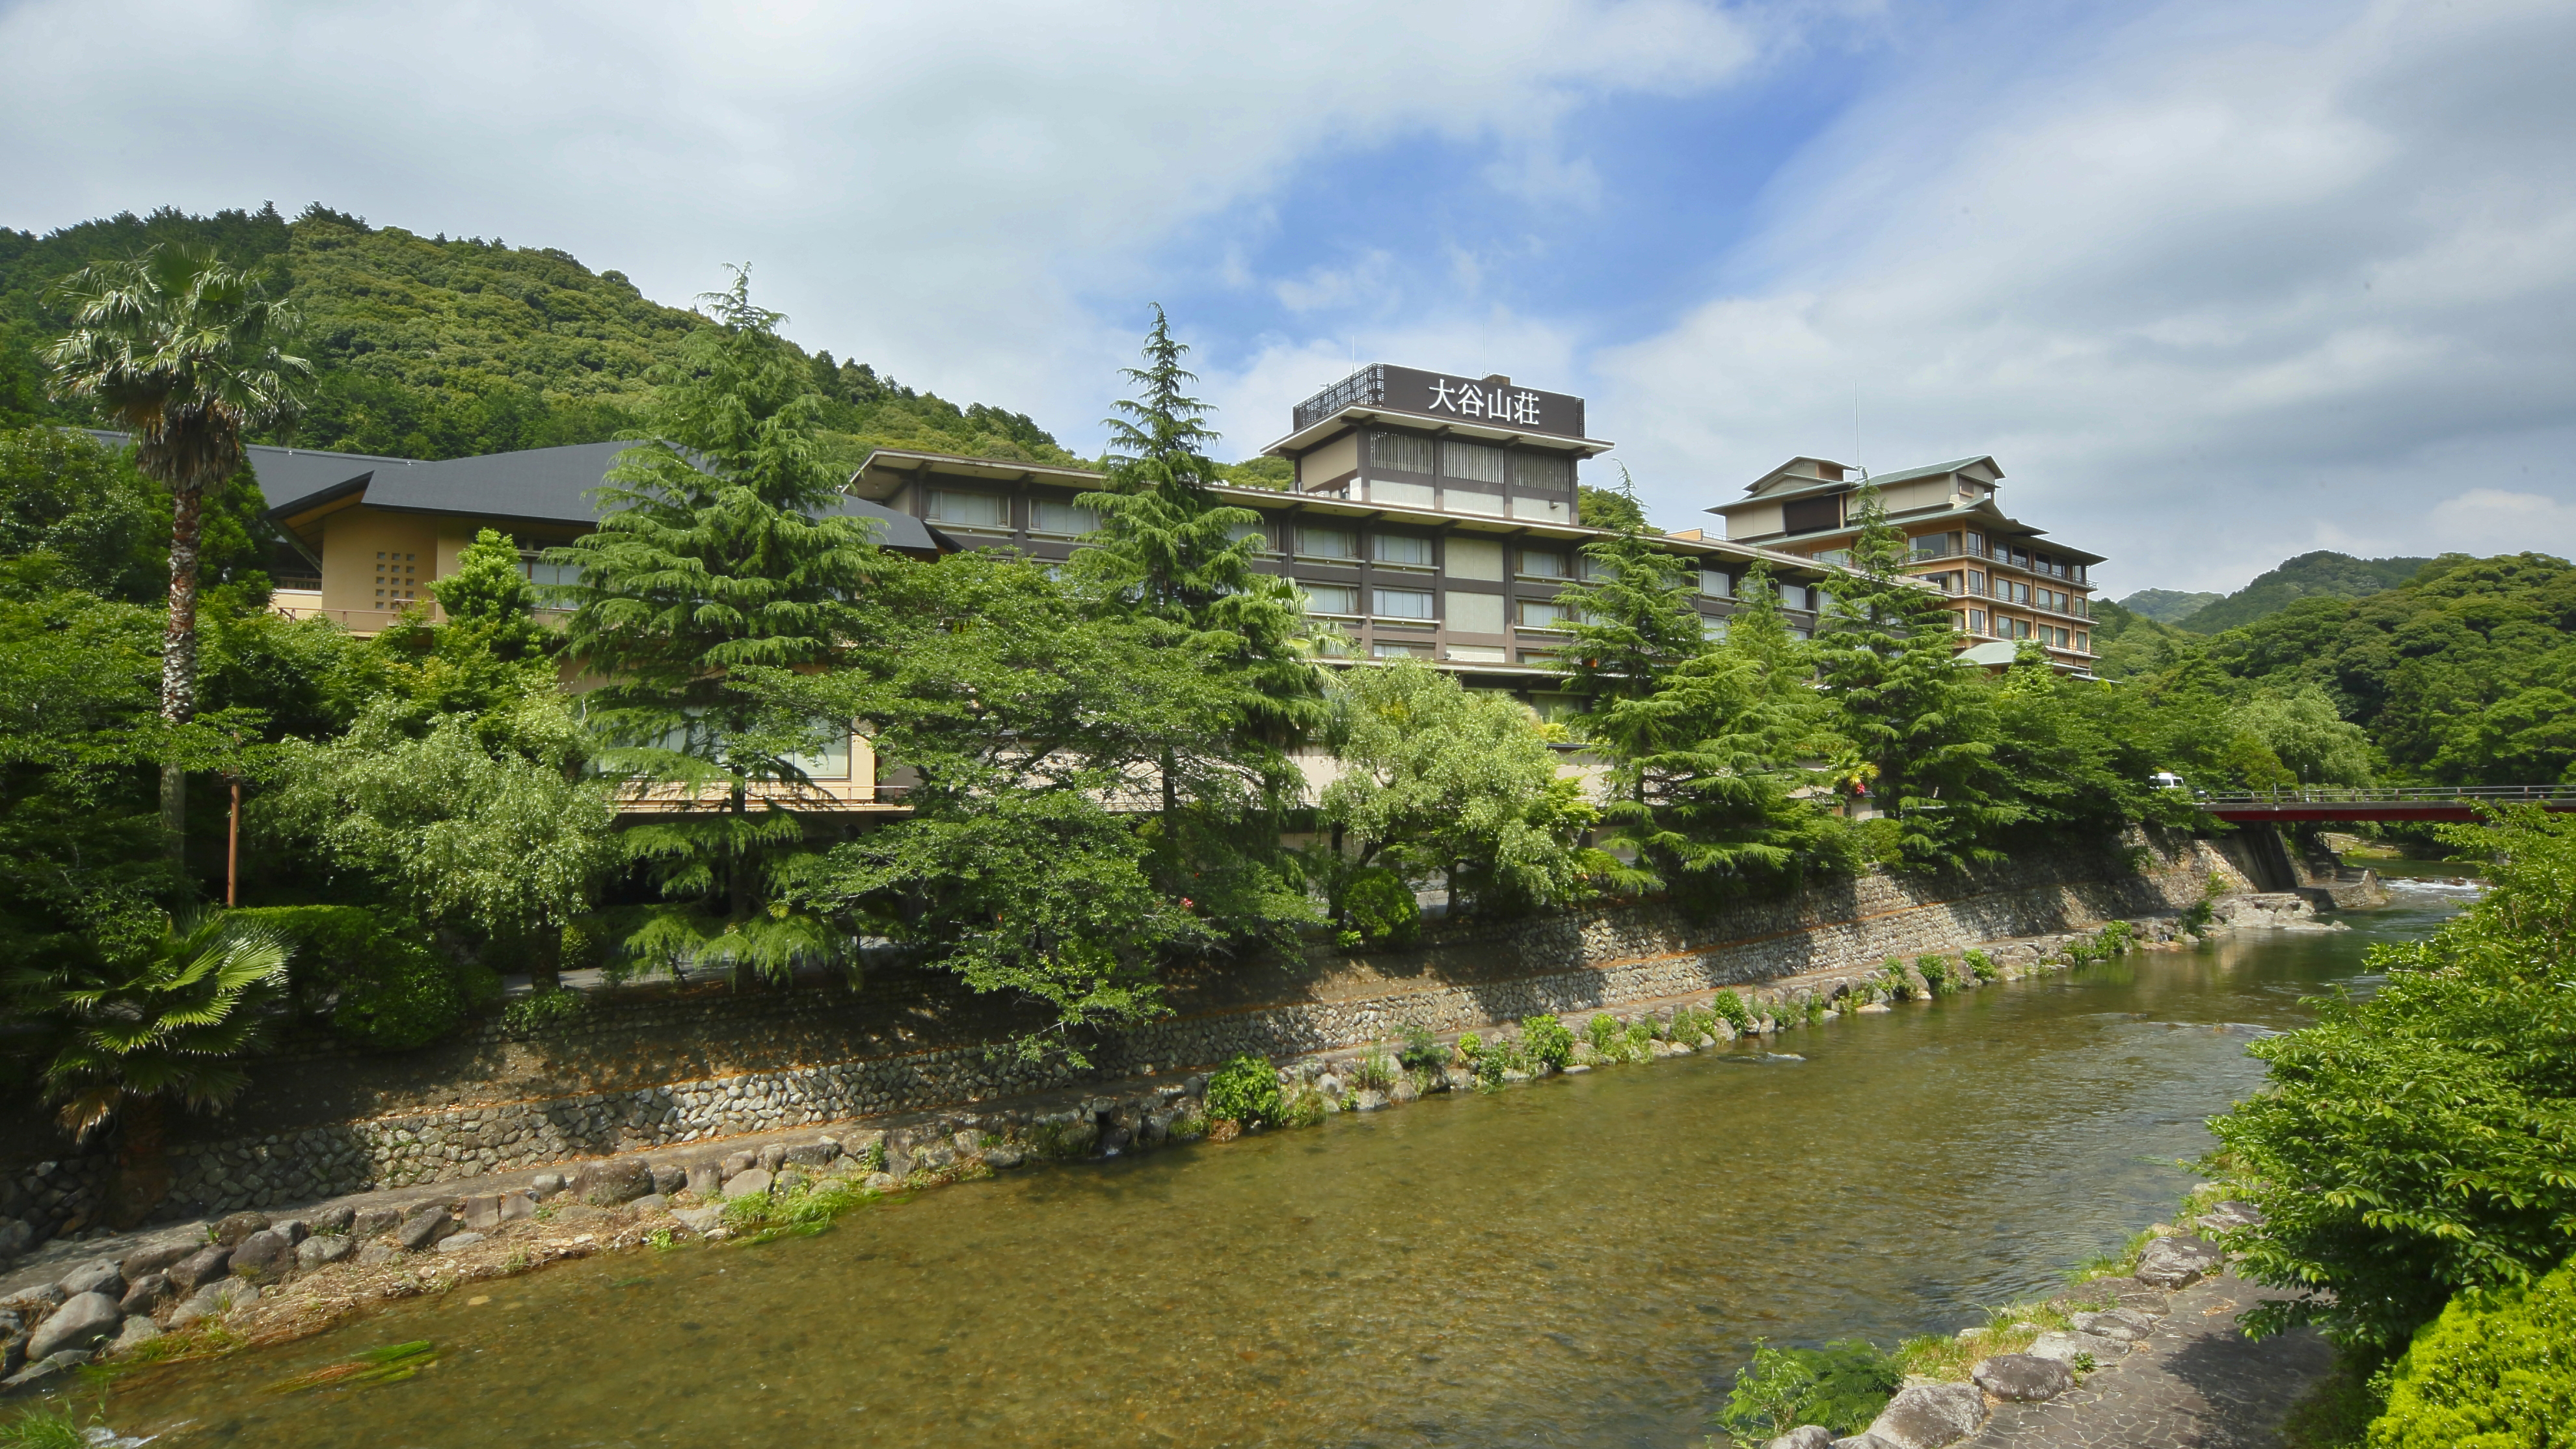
(670, 1067)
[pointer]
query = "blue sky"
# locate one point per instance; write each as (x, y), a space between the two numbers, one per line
(2217, 283)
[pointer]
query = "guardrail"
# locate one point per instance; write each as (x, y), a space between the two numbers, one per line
(2405, 795)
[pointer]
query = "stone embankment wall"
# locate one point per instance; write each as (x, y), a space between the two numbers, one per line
(661, 1068)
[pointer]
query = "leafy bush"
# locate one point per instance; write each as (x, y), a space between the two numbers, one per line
(1815, 1006)
(1893, 980)
(1380, 907)
(2495, 1371)
(1304, 1110)
(1842, 1386)
(1729, 1006)
(1244, 1090)
(1547, 1042)
(1374, 1071)
(1422, 1051)
(1979, 964)
(539, 1010)
(2416, 1143)
(1608, 1040)
(331, 945)
(408, 998)
(1936, 974)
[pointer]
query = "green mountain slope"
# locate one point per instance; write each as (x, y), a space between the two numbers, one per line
(2167, 606)
(2310, 575)
(431, 347)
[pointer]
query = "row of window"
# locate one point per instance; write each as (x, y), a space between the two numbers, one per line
(1469, 462)
(1975, 584)
(1999, 627)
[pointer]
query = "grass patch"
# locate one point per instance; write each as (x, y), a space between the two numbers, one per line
(42, 1428)
(390, 1364)
(2009, 1329)
(765, 1217)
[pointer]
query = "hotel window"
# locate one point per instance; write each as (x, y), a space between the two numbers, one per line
(831, 762)
(1542, 614)
(1793, 596)
(1824, 601)
(1839, 557)
(1473, 461)
(1333, 543)
(1590, 569)
(1976, 621)
(1406, 550)
(1542, 564)
(1404, 604)
(1936, 545)
(1976, 543)
(548, 575)
(1061, 518)
(2084, 641)
(968, 510)
(1716, 584)
(1976, 583)
(1400, 651)
(1258, 533)
(1712, 627)
(1400, 451)
(1331, 598)
(1542, 470)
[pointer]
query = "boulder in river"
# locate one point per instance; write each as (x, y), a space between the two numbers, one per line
(101, 1276)
(1805, 1436)
(2126, 1324)
(201, 1267)
(2023, 1377)
(1928, 1416)
(264, 1255)
(2065, 1346)
(752, 1183)
(2178, 1262)
(424, 1227)
(83, 1322)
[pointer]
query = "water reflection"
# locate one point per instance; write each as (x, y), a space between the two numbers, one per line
(1581, 1262)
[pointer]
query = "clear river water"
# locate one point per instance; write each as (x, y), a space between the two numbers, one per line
(1579, 1261)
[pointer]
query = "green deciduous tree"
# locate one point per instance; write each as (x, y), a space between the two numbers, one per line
(2303, 732)
(188, 353)
(1438, 778)
(2417, 1142)
(720, 549)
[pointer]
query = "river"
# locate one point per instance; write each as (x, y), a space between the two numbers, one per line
(1581, 1261)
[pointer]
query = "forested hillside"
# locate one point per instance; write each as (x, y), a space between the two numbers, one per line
(2322, 574)
(2167, 606)
(439, 347)
(2463, 674)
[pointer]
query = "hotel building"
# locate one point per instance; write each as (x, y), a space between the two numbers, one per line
(2005, 584)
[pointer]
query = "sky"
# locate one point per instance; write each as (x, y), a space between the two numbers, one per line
(2214, 283)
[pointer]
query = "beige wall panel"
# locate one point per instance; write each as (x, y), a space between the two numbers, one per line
(1753, 522)
(1472, 613)
(1333, 460)
(351, 539)
(1474, 558)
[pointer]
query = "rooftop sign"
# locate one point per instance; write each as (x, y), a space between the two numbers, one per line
(1490, 402)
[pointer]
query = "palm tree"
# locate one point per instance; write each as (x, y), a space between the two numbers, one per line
(135, 1030)
(187, 352)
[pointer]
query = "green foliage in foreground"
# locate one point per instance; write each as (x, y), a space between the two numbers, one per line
(1245, 1090)
(1842, 1385)
(41, 1427)
(2417, 1142)
(2495, 1371)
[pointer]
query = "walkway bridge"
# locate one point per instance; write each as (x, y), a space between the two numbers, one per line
(2336, 802)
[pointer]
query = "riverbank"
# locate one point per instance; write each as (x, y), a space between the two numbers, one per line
(675, 1066)
(256, 1278)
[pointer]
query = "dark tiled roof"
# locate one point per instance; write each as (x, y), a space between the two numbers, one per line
(536, 485)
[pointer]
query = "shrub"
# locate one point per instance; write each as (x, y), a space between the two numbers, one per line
(1842, 1386)
(539, 1010)
(2496, 1369)
(1892, 978)
(1375, 1071)
(1422, 1051)
(1380, 907)
(1730, 1007)
(1979, 964)
(1245, 1090)
(2415, 1143)
(1815, 1009)
(408, 998)
(1304, 1110)
(1547, 1042)
(330, 945)
(1608, 1041)
(1936, 974)
(2116, 938)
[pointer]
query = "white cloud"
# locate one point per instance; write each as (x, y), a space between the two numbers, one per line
(938, 188)
(2175, 280)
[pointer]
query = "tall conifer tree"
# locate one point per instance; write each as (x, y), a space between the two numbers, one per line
(719, 549)
(1906, 710)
